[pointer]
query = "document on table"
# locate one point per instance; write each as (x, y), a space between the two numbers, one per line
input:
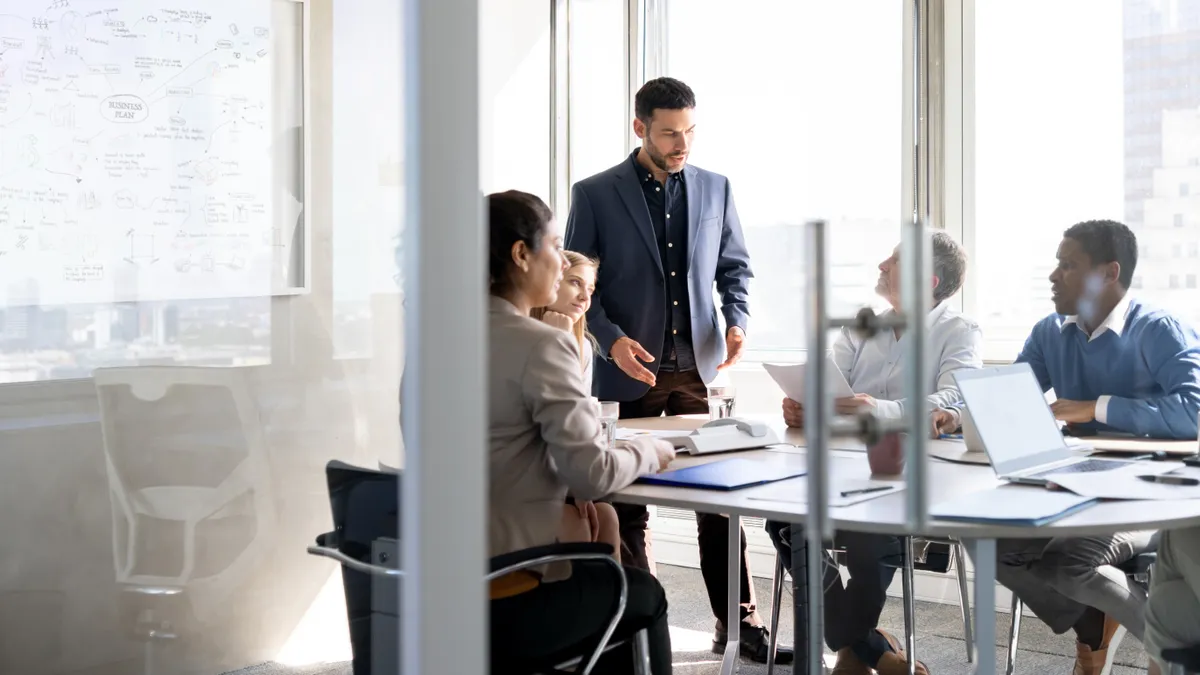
(790, 379)
(1125, 484)
(627, 434)
(1011, 505)
(796, 491)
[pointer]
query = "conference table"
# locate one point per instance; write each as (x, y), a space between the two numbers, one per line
(884, 515)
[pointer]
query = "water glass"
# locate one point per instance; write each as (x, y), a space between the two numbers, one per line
(720, 402)
(608, 414)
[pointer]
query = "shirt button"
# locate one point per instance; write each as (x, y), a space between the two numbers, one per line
(670, 245)
(675, 303)
(672, 274)
(668, 216)
(658, 189)
(674, 332)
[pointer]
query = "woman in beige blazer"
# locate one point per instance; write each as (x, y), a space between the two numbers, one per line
(545, 439)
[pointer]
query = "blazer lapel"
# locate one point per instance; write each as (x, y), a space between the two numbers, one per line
(629, 187)
(695, 203)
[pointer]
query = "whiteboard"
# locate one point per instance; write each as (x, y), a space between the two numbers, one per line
(136, 144)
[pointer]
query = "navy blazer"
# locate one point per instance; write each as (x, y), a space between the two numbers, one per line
(610, 221)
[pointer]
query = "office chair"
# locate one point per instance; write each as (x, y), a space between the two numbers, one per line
(1183, 661)
(911, 561)
(190, 492)
(365, 505)
(1139, 570)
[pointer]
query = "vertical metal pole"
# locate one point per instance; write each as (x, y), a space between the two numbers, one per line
(915, 299)
(983, 555)
(817, 409)
(634, 54)
(445, 419)
(917, 126)
(560, 93)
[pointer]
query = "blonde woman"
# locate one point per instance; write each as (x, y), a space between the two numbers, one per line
(582, 521)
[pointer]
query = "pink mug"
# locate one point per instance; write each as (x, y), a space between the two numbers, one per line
(887, 456)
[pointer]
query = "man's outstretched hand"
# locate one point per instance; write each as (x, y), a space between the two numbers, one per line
(625, 352)
(735, 343)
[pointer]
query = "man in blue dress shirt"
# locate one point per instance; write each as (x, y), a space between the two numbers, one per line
(1115, 364)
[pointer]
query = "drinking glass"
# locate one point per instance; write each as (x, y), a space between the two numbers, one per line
(720, 402)
(609, 411)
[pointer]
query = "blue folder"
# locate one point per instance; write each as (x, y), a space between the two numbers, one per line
(726, 474)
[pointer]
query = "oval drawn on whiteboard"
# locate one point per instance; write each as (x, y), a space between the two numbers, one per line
(224, 44)
(124, 109)
(178, 121)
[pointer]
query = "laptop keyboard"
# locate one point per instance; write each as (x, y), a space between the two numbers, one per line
(1086, 466)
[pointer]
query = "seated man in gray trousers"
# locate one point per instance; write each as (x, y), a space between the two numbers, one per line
(1173, 611)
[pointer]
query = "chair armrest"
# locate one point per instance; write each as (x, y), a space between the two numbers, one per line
(540, 555)
(357, 565)
(1188, 657)
(1139, 564)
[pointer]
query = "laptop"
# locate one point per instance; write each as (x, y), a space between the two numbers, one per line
(1017, 430)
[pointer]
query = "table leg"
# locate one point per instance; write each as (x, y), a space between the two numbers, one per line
(800, 636)
(983, 555)
(733, 624)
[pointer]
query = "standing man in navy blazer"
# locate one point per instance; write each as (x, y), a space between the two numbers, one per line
(665, 233)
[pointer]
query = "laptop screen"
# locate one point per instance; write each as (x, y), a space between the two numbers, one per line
(1011, 417)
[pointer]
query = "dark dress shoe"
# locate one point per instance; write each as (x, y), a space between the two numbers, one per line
(755, 645)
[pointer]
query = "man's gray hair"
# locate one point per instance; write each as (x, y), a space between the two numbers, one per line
(949, 265)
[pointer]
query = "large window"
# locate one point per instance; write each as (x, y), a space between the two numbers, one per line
(599, 123)
(1097, 115)
(514, 96)
(799, 103)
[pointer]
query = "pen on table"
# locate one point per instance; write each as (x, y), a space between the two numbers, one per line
(1171, 480)
(866, 491)
(949, 437)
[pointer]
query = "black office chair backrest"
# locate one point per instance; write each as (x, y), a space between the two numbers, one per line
(366, 507)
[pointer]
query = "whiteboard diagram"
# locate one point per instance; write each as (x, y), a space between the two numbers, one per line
(136, 143)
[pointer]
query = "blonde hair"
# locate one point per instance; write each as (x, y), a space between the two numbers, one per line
(579, 330)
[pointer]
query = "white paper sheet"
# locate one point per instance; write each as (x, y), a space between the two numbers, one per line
(626, 434)
(790, 379)
(796, 491)
(1125, 484)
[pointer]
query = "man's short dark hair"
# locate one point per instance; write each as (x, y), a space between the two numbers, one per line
(1106, 241)
(949, 265)
(662, 93)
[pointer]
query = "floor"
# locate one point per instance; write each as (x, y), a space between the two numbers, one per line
(939, 644)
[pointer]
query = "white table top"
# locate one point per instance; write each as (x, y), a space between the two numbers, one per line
(886, 515)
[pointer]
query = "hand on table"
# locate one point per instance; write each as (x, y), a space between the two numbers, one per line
(626, 353)
(942, 422)
(666, 453)
(1074, 412)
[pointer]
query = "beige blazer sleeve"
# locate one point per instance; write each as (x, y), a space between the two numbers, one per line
(553, 389)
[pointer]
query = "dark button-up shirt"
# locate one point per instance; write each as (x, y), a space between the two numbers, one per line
(669, 216)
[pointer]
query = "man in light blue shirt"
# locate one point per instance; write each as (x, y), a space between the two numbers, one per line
(874, 367)
(1115, 364)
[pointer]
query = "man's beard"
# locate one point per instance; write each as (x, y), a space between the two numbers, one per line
(660, 160)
